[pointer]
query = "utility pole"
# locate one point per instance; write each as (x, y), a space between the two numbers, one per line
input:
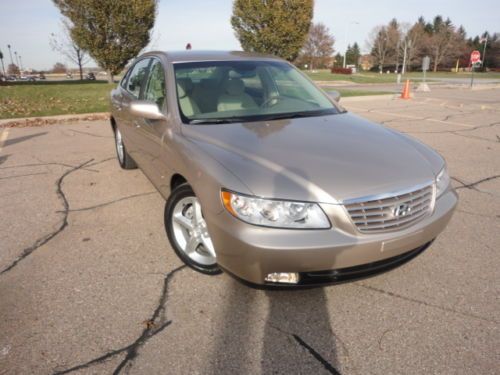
(20, 63)
(345, 38)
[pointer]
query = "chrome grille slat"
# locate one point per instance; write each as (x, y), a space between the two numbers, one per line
(371, 206)
(378, 215)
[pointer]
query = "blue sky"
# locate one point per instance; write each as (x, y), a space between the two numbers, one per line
(27, 24)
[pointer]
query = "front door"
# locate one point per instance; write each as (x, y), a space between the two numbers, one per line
(151, 146)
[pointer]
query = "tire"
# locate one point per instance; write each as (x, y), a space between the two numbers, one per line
(124, 159)
(187, 232)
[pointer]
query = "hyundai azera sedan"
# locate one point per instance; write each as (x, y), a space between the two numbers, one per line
(268, 178)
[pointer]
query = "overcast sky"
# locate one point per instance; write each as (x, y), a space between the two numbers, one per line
(27, 24)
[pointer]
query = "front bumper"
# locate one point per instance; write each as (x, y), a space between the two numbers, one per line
(251, 253)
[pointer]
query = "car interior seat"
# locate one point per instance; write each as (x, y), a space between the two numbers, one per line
(235, 96)
(187, 104)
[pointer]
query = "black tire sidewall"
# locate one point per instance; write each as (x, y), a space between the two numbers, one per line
(128, 162)
(180, 192)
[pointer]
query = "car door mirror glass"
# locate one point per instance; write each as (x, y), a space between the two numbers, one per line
(146, 109)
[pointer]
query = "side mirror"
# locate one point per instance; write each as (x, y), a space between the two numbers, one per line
(146, 109)
(335, 95)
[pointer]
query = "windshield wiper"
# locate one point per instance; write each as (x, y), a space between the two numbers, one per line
(282, 116)
(227, 120)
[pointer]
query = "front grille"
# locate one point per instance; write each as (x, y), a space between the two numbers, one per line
(390, 213)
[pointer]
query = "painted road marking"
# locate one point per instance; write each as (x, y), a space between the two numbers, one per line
(3, 137)
(413, 117)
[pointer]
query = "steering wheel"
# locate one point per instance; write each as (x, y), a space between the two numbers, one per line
(271, 101)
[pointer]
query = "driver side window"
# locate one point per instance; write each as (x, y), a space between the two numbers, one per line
(136, 79)
(155, 88)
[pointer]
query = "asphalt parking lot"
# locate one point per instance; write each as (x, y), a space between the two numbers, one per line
(89, 284)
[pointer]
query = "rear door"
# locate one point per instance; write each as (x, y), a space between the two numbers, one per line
(133, 89)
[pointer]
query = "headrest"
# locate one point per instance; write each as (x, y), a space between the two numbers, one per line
(184, 86)
(235, 86)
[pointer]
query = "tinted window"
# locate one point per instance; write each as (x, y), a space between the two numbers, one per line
(155, 87)
(137, 76)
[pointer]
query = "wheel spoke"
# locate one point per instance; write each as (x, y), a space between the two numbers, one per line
(208, 245)
(183, 221)
(192, 245)
(197, 216)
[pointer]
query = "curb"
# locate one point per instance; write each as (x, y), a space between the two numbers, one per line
(50, 120)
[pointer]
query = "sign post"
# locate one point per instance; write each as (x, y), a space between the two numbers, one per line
(426, 62)
(475, 58)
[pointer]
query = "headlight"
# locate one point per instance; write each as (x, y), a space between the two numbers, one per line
(275, 213)
(442, 182)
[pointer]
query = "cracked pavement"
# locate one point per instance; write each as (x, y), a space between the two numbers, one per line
(89, 284)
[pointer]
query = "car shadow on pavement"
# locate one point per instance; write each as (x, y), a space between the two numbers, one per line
(298, 337)
(277, 331)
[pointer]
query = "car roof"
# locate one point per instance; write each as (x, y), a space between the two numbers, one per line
(192, 56)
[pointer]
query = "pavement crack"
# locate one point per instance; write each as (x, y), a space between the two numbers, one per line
(156, 324)
(64, 223)
(424, 303)
(43, 164)
(473, 185)
(21, 175)
(90, 134)
(112, 202)
(327, 365)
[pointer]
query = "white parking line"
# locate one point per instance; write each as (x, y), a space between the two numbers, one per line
(3, 137)
(413, 117)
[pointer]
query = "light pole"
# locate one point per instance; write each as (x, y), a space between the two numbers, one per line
(10, 53)
(21, 62)
(345, 38)
(17, 58)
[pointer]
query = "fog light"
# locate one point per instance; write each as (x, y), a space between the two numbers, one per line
(283, 277)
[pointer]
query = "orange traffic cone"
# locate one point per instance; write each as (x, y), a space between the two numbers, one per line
(406, 91)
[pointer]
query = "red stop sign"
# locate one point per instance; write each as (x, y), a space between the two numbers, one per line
(475, 57)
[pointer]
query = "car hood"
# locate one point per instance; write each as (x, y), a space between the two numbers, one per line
(325, 159)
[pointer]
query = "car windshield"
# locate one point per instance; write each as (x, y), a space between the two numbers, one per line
(239, 91)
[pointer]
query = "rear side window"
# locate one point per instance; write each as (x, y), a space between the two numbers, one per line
(137, 77)
(155, 87)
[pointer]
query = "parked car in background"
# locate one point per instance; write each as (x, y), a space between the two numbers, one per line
(90, 76)
(267, 177)
(41, 76)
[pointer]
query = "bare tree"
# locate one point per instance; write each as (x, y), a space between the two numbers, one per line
(378, 42)
(414, 41)
(318, 48)
(445, 41)
(64, 44)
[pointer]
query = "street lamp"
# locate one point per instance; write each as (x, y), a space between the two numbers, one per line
(345, 38)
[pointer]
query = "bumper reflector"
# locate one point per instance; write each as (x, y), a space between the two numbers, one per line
(283, 277)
